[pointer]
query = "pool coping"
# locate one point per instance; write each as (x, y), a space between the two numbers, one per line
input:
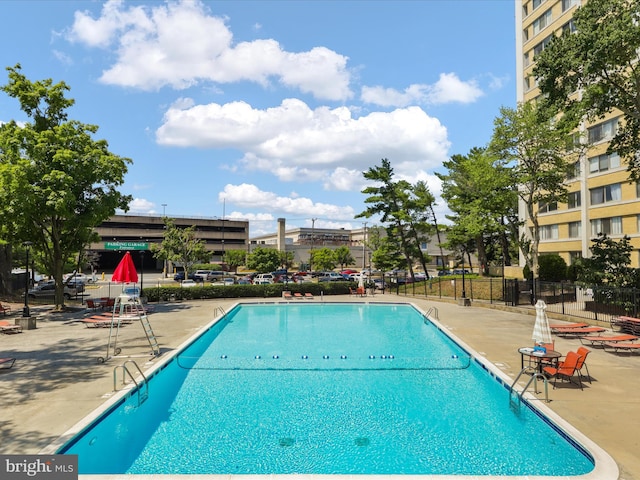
(605, 468)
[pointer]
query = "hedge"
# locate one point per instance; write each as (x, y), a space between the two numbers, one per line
(176, 292)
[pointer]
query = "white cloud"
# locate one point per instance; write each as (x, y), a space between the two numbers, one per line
(294, 142)
(251, 197)
(448, 89)
(345, 180)
(179, 44)
(140, 205)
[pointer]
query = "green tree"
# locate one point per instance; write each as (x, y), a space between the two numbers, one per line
(264, 260)
(181, 246)
(600, 61)
(608, 264)
(404, 210)
(234, 258)
(552, 268)
(534, 147)
(343, 256)
(388, 255)
(286, 260)
(324, 259)
(56, 182)
(479, 191)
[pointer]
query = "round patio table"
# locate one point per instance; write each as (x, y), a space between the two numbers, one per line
(550, 355)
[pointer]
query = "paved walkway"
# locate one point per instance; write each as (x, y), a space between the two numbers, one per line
(57, 380)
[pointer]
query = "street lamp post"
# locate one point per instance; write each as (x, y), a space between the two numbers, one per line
(164, 216)
(25, 311)
(141, 271)
(313, 234)
(464, 291)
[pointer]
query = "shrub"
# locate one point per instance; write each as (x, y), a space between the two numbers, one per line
(552, 268)
(274, 290)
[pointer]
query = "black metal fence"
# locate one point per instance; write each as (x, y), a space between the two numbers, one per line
(596, 303)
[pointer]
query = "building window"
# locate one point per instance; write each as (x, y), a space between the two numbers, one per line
(549, 232)
(541, 22)
(547, 207)
(573, 256)
(606, 194)
(603, 131)
(573, 171)
(610, 226)
(569, 27)
(573, 200)
(537, 3)
(567, 4)
(525, 37)
(604, 162)
(575, 229)
(541, 46)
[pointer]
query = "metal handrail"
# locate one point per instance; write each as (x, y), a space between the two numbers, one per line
(141, 397)
(534, 378)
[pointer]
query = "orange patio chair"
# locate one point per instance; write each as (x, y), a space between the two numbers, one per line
(566, 369)
(92, 305)
(582, 362)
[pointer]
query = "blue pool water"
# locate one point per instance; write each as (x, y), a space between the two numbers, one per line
(325, 389)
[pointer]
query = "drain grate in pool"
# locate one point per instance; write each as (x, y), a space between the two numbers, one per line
(362, 441)
(286, 442)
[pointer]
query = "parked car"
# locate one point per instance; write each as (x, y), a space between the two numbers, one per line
(76, 285)
(188, 283)
(380, 284)
(244, 280)
(214, 275)
(331, 277)
(263, 279)
(179, 277)
(48, 290)
(348, 271)
(77, 277)
(202, 275)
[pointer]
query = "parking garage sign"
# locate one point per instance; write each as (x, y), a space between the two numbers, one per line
(126, 245)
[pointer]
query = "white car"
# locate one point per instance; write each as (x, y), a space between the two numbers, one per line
(188, 283)
(78, 277)
(264, 279)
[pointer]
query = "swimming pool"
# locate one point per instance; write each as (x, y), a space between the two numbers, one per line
(391, 394)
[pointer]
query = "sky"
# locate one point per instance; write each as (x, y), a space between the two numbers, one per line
(259, 110)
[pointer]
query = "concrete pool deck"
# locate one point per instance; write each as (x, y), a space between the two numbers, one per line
(56, 380)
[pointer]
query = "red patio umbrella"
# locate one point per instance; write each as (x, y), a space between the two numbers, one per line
(125, 272)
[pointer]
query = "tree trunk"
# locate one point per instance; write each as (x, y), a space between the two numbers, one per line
(6, 257)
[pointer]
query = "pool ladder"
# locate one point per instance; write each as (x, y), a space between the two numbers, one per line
(534, 378)
(142, 395)
(432, 311)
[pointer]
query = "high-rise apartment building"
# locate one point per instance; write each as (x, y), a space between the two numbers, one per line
(601, 198)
